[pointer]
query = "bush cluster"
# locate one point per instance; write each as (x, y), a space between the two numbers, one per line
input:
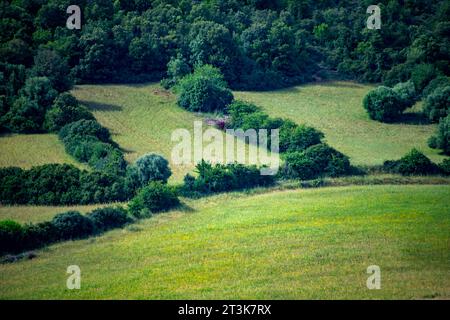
(221, 178)
(89, 142)
(316, 161)
(437, 104)
(384, 104)
(153, 198)
(204, 90)
(413, 163)
(69, 225)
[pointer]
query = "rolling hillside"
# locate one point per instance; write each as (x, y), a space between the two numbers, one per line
(313, 243)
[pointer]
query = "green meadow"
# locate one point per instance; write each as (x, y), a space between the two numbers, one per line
(311, 244)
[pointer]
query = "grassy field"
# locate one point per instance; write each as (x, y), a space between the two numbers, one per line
(27, 150)
(25, 214)
(314, 243)
(141, 119)
(336, 109)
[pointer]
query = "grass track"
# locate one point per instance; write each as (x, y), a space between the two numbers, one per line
(314, 243)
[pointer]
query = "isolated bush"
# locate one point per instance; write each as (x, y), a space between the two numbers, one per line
(437, 104)
(152, 167)
(315, 161)
(73, 225)
(11, 236)
(65, 110)
(406, 93)
(204, 91)
(383, 104)
(416, 163)
(442, 139)
(153, 198)
(109, 218)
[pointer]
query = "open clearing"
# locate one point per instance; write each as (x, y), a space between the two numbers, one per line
(314, 243)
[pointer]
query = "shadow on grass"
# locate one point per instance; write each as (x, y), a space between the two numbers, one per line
(415, 118)
(183, 207)
(102, 107)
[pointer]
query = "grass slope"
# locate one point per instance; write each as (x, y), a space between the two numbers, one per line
(27, 150)
(314, 243)
(141, 119)
(336, 109)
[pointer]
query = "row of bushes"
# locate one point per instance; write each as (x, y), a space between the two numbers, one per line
(416, 163)
(89, 142)
(64, 226)
(224, 177)
(61, 184)
(292, 137)
(153, 198)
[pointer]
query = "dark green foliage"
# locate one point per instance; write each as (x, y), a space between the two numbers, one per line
(442, 138)
(316, 161)
(204, 91)
(152, 167)
(437, 104)
(406, 93)
(40, 234)
(73, 225)
(413, 163)
(422, 74)
(88, 141)
(48, 63)
(438, 82)
(221, 178)
(109, 218)
(153, 198)
(292, 137)
(56, 184)
(11, 236)
(177, 68)
(445, 167)
(383, 104)
(65, 110)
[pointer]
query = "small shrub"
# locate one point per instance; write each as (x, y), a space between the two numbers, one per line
(416, 163)
(109, 218)
(437, 104)
(73, 225)
(204, 91)
(152, 167)
(383, 104)
(11, 236)
(153, 198)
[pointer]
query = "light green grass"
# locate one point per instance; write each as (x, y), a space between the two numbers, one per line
(314, 243)
(27, 150)
(142, 119)
(26, 214)
(336, 109)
